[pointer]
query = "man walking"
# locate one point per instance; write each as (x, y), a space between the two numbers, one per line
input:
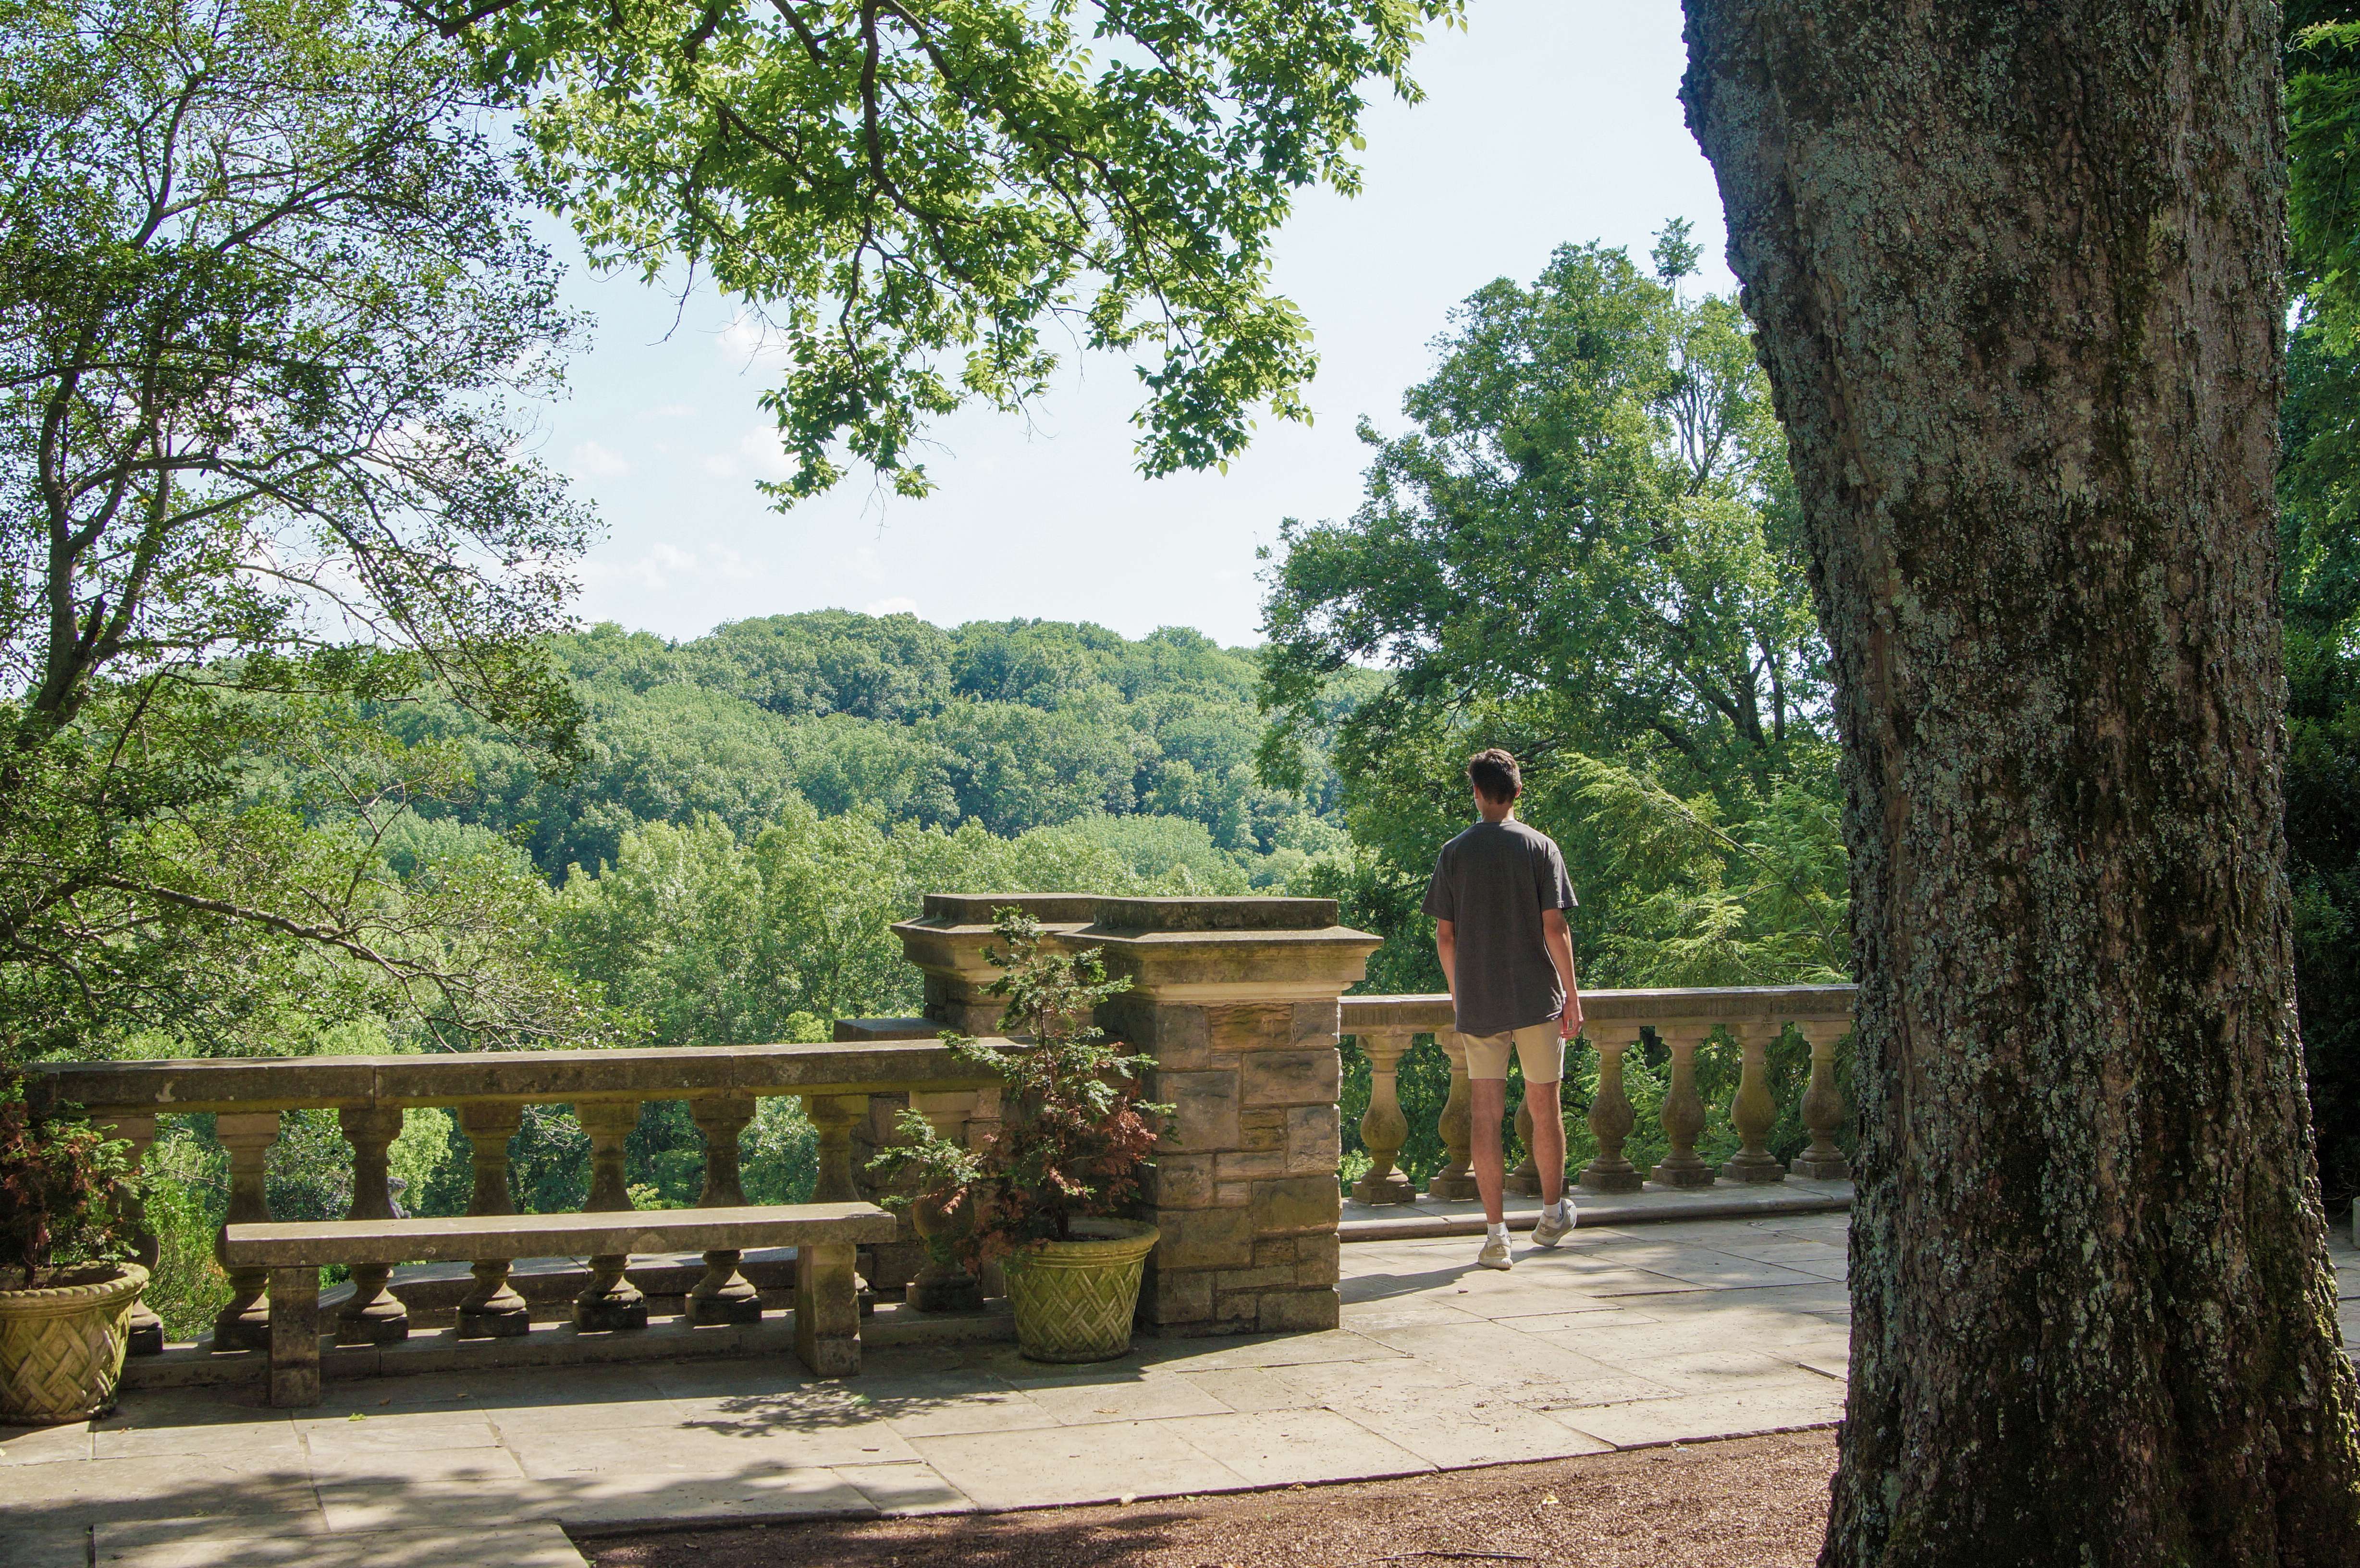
(1498, 899)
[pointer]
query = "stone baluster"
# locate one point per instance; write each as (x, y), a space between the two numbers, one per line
(1455, 1179)
(1683, 1112)
(146, 1329)
(1754, 1112)
(245, 1322)
(1383, 1128)
(374, 1315)
(835, 1115)
(610, 1301)
(492, 1309)
(724, 1295)
(1823, 1106)
(942, 1283)
(1610, 1121)
(1525, 1179)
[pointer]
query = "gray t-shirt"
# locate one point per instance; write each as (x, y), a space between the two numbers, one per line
(1492, 883)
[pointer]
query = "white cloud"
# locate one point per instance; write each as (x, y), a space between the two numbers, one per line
(759, 448)
(897, 606)
(721, 467)
(749, 342)
(595, 462)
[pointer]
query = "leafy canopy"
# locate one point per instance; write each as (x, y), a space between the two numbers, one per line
(268, 313)
(1584, 550)
(918, 196)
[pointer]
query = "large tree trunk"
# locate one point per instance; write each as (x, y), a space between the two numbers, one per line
(2016, 271)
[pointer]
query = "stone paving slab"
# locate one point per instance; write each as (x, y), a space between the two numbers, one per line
(1622, 1338)
(1428, 1216)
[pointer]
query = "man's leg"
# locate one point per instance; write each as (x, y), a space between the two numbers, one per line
(1489, 1098)
(1549, 1139)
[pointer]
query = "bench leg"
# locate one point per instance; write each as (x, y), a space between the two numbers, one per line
(294, 1337)
(827, 1311)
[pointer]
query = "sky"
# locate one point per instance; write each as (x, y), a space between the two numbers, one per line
(1545, 122)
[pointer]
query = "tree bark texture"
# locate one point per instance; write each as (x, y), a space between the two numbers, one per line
(2017, 270)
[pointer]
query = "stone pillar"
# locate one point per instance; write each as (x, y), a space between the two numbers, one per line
(138, 1130)
(1823, 1106)
(1754, 1112)
(245, 1322)
(374, 1315)
(723, 1295)
(492, 1310)
(1683, 1111)
(1610, 1121)
(1236, 1000)
(610, 1301)
(1455, 1179)
(942, 1284)
(1383, 1128)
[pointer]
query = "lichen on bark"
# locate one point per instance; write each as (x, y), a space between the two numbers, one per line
(2017, 273)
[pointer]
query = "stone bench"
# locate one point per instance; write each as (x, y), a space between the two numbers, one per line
(827, 1312)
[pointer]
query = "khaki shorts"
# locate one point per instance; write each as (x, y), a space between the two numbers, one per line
(1539, 1048)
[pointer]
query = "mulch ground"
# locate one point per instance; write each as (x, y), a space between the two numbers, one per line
(1757, 1502)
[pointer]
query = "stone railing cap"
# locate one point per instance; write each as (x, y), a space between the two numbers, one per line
(1215, 914)
(941, 910)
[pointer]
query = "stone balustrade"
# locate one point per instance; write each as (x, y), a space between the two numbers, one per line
(489, 1092)
(1239, 1005)
(1752, 1017)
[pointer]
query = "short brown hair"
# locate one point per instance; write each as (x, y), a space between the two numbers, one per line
(1495, 774)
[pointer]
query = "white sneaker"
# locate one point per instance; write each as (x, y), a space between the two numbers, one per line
(1548, 1232)
(1495, 1254)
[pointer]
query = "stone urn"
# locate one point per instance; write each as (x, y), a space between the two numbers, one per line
(62, 1342)
(1075, 1299)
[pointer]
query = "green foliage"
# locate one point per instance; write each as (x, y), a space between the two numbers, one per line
(62, 1186)
(1014, 726)
(910, 193)
(267, 306)
(1076, 1134)
(1586, 550)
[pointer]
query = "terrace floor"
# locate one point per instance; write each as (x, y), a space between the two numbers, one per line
(1623, 1338)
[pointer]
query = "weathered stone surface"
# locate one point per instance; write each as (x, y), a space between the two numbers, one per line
(1317, 1023)
(1296, 1202)
(1299, 1311)
(286, 1243)
(1205, 1110)
(1205, 1239)
(1315, 1140)
(1183, 1297)
(1290, 1077)
(1318, 1259)
(1254, 1027)
(1181, 1182)
(1275, 1276)
(1250, 1164)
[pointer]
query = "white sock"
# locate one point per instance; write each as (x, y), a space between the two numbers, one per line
(1496, 1230)
(1553, 1212)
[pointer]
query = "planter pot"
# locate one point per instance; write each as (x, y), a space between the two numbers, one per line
(1075, 1299)
(62, 1342)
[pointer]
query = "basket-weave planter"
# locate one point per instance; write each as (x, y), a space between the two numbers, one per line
(1075, 1299)
(62, 1342)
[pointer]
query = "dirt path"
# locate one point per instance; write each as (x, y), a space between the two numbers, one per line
(1744, 1503)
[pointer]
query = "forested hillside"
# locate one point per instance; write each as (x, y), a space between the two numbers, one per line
(1008, 727)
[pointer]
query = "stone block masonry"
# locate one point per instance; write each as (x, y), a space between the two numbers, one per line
(1237, 1002)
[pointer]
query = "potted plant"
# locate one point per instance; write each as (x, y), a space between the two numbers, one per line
(1044, 1197)
(65, 1295)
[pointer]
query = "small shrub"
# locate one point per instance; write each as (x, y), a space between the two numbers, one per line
(1076, 1134)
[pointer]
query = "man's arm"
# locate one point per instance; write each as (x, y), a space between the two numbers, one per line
(1445, 947)
(1559, 942)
